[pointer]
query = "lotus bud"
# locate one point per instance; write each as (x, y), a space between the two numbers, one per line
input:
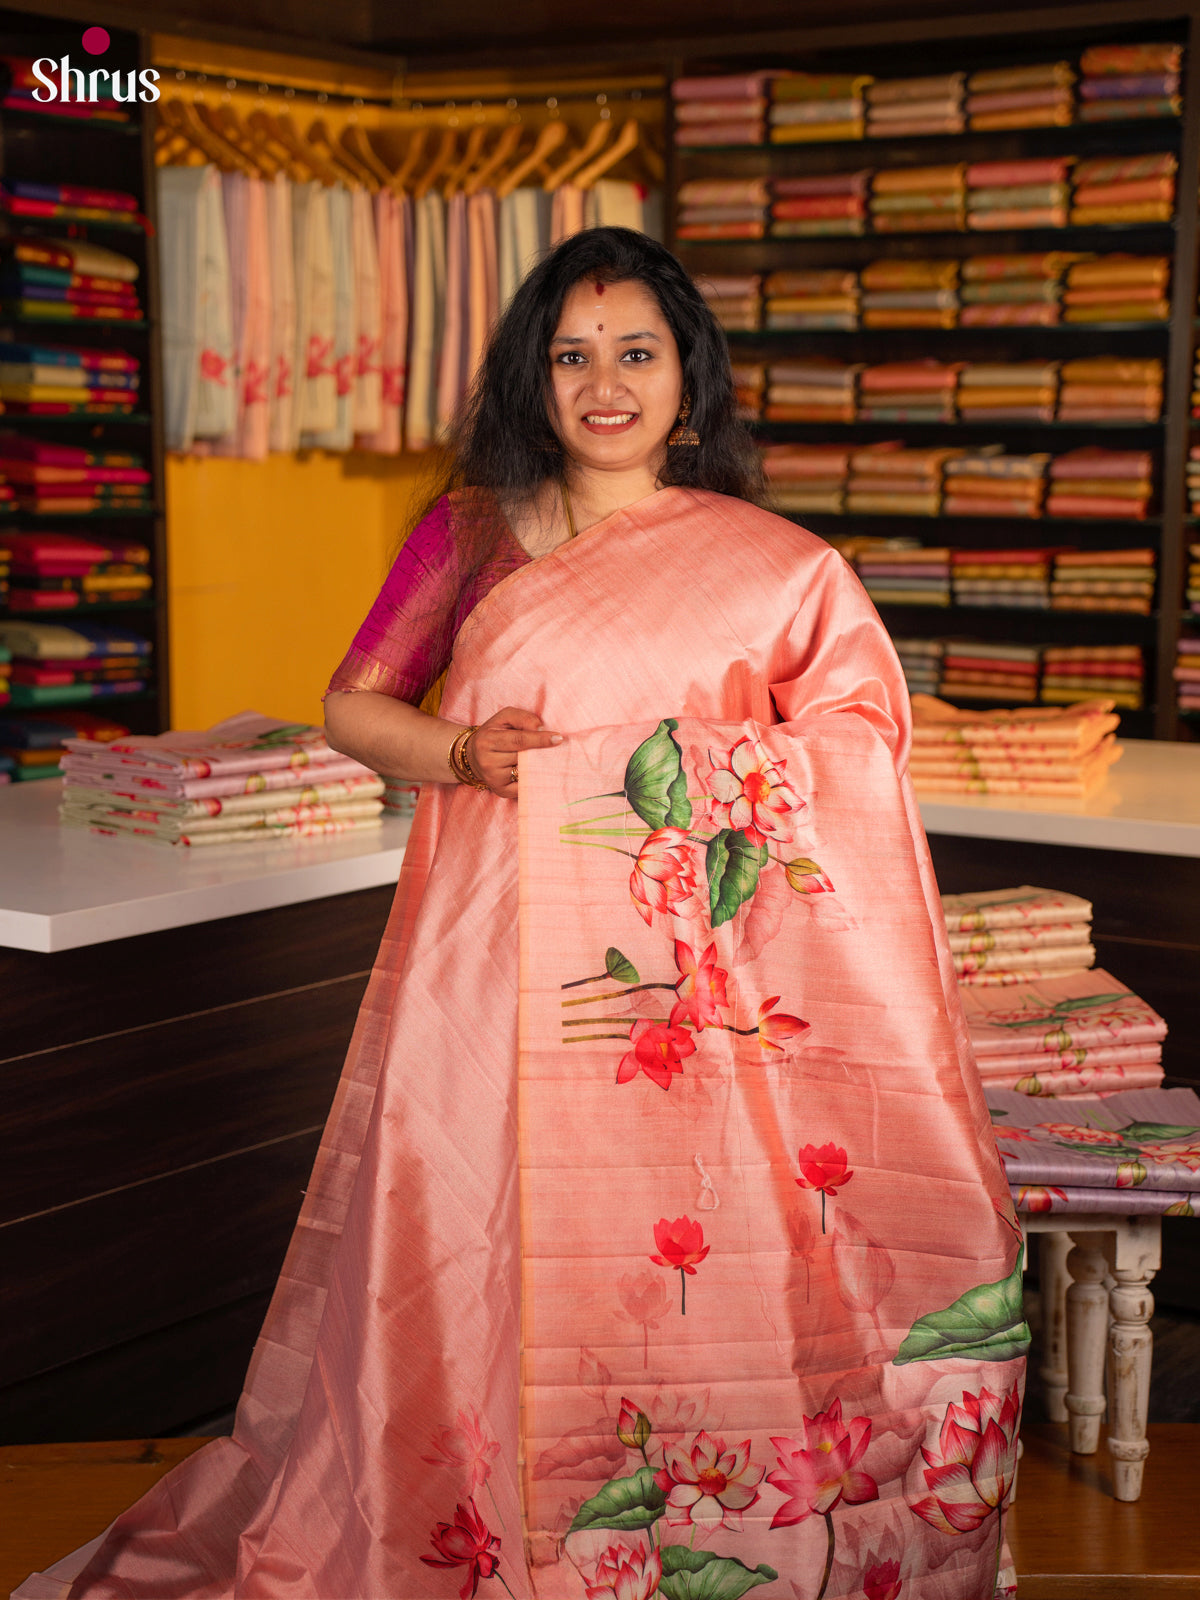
(633, 1426)
(1056, 1039)
(1030, 1086)
(1130, 1174)
(806, 877)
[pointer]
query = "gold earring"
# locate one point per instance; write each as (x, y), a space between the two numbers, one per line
(681, 433)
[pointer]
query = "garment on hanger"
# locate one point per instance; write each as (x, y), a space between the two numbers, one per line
(343, 355)
(566, 216)
(245, 207)
(524, 229)
(199, 387)
(452, 368)
(367, 413)
(483, 277)
(428, 314)
(390, 210)
(614, 204)
(315, 405)
(282, 266)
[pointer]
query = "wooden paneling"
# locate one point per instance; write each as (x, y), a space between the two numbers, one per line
(72, 995)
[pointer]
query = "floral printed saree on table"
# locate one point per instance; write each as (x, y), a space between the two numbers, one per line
(658, 1243)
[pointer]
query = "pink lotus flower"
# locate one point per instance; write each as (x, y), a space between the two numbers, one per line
(881, 1580)
(213, 366)
(701, 988)
(624, 1574)
(658, 1051)
(467, 1542)
(466, 1446)
(775, 1028)
(972, 1471)
(821, 1470)
(708, 1485)
(644, 1301)
(750, 793)
(826, 1169)
(1078, 1135)
(664, 875)
(681, 1245)
(1035, 1197)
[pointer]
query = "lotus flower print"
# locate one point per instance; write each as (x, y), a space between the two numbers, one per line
(658, 1051)
(971, 1472)
(825, 1169)
(708, 1485)
(466, 1446)
(624, 1574)
(820, 1470)
(664, 874)
(702, 999)
(775, 1028)
(881, 1580)
(466, 1542)
(750, 793)
(633, 1426)
(681, 1245)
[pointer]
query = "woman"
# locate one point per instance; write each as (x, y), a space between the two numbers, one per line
(657, 1242)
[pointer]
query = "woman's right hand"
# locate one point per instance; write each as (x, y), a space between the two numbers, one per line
(493, 748)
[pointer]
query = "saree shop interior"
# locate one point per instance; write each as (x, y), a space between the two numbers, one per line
(247, 276)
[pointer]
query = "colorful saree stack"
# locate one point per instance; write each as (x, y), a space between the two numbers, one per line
(919, 199)
(1059, 1034)
(1018, 579)
(5, 679)
(67, 280)
(1192, 593)
(816, 299)
(890, 479)
(1012, 290)
(476, 1365)
(992, 483)
(1008, 391)
(909, 294)
(66, 202)
(1104, 580)
(1117, 671)
(723, 208)
(1186, 672)
(1009, 936)
(1064, 751)
(1124, 189)
(61, 380)
(818, 389)
(815, 207)
(902, 107)
(921, 661)
(63, 572)
(749, 388)
(1018, 194)
(730, 109)
(31, 742)
(1111, 389)
(55, 666)
(974, 670)
(1118, 288)
(1037, 96)
(48, 478)
(807, 477)
(909, 391)
(811, 107)
(1096, 482)
(901, 573)
(1122, 82)
(735, 299)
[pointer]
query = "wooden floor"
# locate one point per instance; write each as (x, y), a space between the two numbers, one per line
(1071, 1540)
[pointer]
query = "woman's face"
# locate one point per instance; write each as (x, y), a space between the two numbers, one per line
(616, 378)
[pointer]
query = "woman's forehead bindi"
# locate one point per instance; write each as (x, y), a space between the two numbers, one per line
(599, 287)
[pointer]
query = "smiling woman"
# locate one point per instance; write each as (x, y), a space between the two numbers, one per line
(687, 1010)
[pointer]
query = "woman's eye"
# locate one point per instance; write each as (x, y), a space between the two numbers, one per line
(637, 355)
(569, 358)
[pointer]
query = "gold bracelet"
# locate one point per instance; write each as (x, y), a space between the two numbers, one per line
(459, 763)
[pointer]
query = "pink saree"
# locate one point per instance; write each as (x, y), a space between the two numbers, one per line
(658, 1243)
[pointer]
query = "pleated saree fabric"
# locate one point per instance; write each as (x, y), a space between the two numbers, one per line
(658, 1240)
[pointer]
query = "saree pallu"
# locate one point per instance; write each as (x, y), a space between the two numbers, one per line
(393, 350)
(492, 1354)
(281, 255)
(339, 365)
(367, 407)
(200, 391)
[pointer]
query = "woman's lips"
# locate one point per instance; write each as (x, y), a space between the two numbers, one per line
(615, 425)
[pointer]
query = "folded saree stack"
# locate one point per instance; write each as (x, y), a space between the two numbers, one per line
(32, 742)
(1124, 189)
(919, 199)
(1118, 288)
(908, 391)
(817, 299)
(1007, 936)
(1018, 194)
(5, 676)
(816, 207)
(909, 294)
(735, 299)
(60, 666)
(728, 109)
(815, 107)
(807, 477)
(1064, 751)
(818, 389)
(1081, 1032)
(889, 479)
(1116, 671)
(991, 483)
(248, 779)
(902, 573)
(66, 572)
(49, 478)
(723, 208)
(60, 381)
(1192, 593)
(749, 387)
(1186, 672)
(5, 568)
(921, 660)
(66, 202)
(1104, 580)
(901, 108)
(1013, 290)
(1095, 482)
(1008, 391)
(1038, 96)
(67, 280)
(1002, 579)
(975, 670)
(1111, 389)
(1122, 82)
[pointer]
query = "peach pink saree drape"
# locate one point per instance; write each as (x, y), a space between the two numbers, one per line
(658, 1242)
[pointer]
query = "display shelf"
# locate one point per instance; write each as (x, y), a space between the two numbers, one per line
(68, 324)
(1060, 140)
(984, 525)
(81, 516)
(1073, 330)
(1051, 234)
(773, 430)
(110, 224)
(12, 613)
(93, 419)
(34, 119)
(101, 703)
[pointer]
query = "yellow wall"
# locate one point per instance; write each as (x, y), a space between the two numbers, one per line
(273, 565)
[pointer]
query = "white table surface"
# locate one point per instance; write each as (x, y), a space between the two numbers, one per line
(63, 887)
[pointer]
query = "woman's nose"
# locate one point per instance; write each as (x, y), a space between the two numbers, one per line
(607, 379)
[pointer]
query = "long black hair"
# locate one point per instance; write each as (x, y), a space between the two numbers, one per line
(503, 439)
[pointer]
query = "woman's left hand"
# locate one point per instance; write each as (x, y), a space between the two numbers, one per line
(493, 748)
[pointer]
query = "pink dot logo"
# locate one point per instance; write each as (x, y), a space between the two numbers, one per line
(96, 41)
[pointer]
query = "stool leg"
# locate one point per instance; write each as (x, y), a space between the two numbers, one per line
(1130, 1351)
(1052, 1268)
(1087, 1325)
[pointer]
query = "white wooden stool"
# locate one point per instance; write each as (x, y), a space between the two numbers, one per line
(1096, 1302)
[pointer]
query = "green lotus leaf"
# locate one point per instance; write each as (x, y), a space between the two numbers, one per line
(629, 1504)
(1155, 1132)
(732, 864)
(985, 1324)
(655, 785)
(619, 967)
(702, 1575)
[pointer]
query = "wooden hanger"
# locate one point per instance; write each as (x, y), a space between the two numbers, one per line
(590, 148)
(471, 154)
(625, 142)
(442, 160)
(503, 150)
(348, 165)
(355, 143)
(547, 142)
(282, 130)
(181, 117)
(223, 120)
(402, 178)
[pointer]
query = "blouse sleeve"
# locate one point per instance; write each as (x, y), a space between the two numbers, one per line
(405, 644)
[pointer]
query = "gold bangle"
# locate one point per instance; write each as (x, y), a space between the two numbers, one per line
(460, 764)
